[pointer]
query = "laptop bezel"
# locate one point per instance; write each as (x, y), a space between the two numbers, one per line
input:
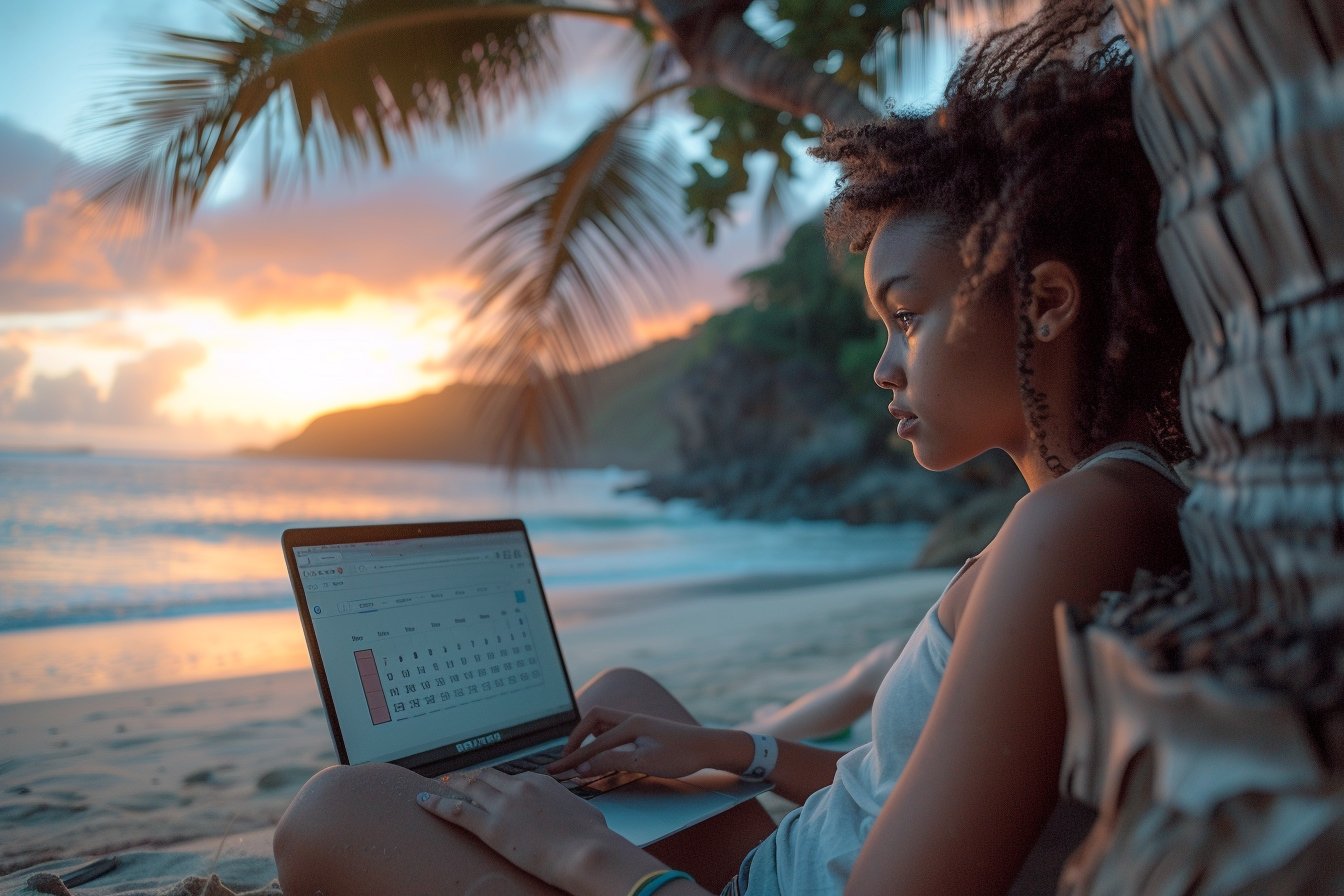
(445, 758)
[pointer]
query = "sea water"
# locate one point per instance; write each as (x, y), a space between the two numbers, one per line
(89, 541)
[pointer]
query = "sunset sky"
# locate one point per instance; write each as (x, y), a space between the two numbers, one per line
(258, 316)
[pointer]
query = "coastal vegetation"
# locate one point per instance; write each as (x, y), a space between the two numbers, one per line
(565, 257)
(765, 411)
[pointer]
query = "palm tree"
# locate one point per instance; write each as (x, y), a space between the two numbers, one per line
(569, 251)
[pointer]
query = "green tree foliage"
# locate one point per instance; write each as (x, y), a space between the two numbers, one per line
(568, 254)
(809, 305)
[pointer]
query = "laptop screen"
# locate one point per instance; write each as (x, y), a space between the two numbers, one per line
(430, 647)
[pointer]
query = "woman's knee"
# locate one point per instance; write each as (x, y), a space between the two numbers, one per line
(631, 690)
(328, 810)
(355, 830)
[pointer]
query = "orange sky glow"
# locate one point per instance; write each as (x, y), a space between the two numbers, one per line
(257, 316)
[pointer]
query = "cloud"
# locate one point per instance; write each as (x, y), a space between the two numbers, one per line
(55, 399)
(52, 257)
(388, 236)
(32, 165)
(27, 179)
(137, 388)
(59, 247)
(396, 234)
(139, 385)
(13, 360)
(275, 289)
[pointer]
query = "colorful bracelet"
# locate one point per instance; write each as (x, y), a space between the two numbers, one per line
(763, 760)
(654, 880)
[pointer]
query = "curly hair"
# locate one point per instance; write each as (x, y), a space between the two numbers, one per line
(1033, 155)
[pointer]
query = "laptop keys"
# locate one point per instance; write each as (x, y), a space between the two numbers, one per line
(608, 783)
(585, 788)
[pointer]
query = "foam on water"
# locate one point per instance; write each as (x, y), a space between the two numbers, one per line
(87, 539)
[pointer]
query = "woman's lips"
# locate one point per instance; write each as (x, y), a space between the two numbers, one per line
(905, 420)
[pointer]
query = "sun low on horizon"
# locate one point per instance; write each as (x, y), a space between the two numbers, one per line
(258, 315)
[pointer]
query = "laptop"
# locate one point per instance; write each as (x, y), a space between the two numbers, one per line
(434, 649)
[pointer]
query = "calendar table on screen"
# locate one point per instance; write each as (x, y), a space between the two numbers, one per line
(439, 664)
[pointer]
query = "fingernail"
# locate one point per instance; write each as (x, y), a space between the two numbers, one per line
(584, 768)
(422, 797)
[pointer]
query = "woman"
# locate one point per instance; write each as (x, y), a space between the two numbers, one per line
(1010, 252)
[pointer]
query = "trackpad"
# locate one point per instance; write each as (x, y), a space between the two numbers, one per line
(653, 808)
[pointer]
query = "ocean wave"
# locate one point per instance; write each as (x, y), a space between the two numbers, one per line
(89, 539)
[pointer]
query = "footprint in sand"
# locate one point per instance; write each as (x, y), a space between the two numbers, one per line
(148, 802)
(210, 777)
(29, 812)
(287, 778)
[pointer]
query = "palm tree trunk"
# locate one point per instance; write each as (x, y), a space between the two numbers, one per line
(1212, 735)
(724, 51)
(1251, 240)
(738, 59)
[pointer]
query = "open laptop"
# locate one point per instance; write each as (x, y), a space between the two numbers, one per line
(434, 649)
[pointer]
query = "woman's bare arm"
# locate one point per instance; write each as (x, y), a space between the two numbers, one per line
(834, 704)
(624, 741)
(983, 777)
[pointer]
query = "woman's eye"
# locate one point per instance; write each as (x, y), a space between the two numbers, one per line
(905, 320)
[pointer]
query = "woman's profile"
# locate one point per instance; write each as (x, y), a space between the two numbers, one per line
(1010, 252)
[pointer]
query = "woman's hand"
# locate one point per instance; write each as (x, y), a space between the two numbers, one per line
(534, 822)
(626, 742)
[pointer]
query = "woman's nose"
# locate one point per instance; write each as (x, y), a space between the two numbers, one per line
(890, 370)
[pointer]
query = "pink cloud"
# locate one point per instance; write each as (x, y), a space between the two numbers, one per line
(275, 289)
(13, 360)
(137, 388)
(141, 384)
(60, 248)
(53, 399)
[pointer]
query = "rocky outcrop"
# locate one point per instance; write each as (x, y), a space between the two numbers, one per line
(773, 439)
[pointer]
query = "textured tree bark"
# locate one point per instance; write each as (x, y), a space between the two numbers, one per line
(1207, 714)
(1241, 107)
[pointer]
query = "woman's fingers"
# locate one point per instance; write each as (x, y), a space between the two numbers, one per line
(470, 797)
(456, 809)
(529, 819)
(581, 758)
(621, 756)
(594, 722)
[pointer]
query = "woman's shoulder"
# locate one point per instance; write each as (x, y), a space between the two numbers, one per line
(1094, 527)
(1103, 493)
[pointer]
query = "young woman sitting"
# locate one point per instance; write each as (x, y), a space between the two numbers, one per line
(1011, 254)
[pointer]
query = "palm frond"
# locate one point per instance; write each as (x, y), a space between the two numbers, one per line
(352, 81)
(569, 254)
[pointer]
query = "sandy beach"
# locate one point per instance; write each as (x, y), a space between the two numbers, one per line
(182, 781)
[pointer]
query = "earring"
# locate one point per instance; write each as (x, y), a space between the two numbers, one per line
(1044, 331)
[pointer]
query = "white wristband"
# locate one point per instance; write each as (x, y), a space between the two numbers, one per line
(763, 760)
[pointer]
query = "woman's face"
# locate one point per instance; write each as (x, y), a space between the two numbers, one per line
(954, 388)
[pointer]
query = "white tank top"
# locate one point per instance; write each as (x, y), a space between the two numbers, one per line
(817, 843)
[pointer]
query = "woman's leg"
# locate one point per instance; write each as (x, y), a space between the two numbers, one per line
(357, 829)
(713, 849)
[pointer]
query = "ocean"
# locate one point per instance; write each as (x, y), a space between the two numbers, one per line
(90, 541)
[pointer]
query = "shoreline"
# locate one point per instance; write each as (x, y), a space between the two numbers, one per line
(107, 656)
(203, 761)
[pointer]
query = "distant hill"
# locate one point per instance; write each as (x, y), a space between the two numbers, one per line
(624, 408)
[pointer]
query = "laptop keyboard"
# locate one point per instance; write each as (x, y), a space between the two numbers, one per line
(586, 788)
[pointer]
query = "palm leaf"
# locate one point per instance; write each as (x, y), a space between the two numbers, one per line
(570, 253)
(352, 81)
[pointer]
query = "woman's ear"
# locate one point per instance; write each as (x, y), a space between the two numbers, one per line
(1055, 299)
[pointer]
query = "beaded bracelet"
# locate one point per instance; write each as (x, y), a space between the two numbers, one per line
(655, 879)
